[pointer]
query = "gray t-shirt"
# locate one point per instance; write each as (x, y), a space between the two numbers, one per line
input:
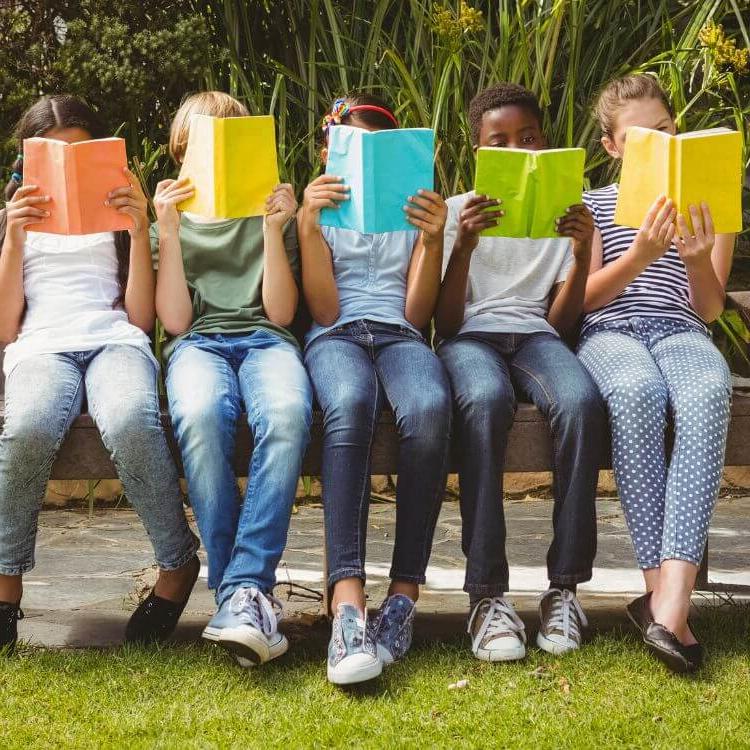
(510, 279)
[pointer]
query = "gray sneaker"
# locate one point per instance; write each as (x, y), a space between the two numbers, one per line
(562, 621)
(497, 632)
(352, 655)
(392, 627)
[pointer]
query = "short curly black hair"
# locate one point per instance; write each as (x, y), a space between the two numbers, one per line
(501, 95)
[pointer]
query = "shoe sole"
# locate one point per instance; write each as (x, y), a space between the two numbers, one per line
(675, 663)
(484, 654)
(353, 676)
(552, 647)
(385, 656)
(252, 649)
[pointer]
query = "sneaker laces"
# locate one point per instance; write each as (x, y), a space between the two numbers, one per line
(500, 619)
(567, 614)
(264, 611)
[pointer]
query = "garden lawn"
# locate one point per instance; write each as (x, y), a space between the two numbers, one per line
(610, 694)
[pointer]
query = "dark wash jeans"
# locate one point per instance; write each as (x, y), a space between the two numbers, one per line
(486, 371)
(354, 369)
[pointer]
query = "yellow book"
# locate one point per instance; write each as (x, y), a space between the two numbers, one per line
(690, 168)
(231, 162)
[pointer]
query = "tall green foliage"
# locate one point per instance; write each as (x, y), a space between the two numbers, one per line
(293, 57)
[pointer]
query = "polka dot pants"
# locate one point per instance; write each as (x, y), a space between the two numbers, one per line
(646, 368)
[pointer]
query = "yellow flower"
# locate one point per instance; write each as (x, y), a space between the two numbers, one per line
(724, 50)
(451, 26)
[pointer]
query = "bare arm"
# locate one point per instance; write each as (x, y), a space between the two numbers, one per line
(708, 260)
(651, 242)
(23, 209)
(279, 290)
(427, 211)
(567, 297)
(318, 281)
(473, 218)
(173, 304)
(139, 293)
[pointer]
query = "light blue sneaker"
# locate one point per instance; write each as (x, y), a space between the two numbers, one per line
(392, 627)
(247, 626)
(352, 656)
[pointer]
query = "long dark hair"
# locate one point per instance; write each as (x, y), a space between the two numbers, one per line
(50, 113)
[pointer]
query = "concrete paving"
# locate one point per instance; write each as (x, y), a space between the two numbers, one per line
(91, 571)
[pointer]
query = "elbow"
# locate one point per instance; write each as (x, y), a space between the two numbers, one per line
(326, 319)
(175, 326)
(282, 319)
(8, 335)
(145, 322)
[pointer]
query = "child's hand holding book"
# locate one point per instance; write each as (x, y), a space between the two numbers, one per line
(281, 206)
(132, 201)
(169, 193)
(578, 225)
(479, 213)
(23, 209)
(697, 247)
(427, 211)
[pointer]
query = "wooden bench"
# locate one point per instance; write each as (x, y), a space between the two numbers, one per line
(83, 455)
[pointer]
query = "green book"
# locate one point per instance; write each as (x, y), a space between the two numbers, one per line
(535, 187)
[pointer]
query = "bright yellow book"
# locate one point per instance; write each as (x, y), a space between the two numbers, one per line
(231, 162)
(690, 168)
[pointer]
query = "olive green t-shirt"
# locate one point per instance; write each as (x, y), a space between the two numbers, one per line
(223, 264)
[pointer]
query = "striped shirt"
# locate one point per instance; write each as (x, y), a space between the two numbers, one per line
(661, 290)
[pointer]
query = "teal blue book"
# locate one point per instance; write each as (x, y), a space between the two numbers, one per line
(382, 169)
(536, 187)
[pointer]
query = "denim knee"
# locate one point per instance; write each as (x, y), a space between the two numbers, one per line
(287, 421)
(427, 416)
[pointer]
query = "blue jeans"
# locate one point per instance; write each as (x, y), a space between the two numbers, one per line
(354, 369)
(645, 369)
(43, 395)
(209, 379)
(486, 371)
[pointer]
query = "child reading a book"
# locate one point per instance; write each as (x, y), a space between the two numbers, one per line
(370, 296)
(503, 304)
(75, 314)
(649, 296)
(227, 293)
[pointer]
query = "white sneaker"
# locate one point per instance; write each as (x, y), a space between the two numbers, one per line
(497, 632)
(247, 626)
(352, 653)
(562, 622)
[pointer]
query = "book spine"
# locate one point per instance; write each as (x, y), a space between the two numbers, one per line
(676, 191)
(220, 199)
(70, 177)
(369, 205)
(531, 193)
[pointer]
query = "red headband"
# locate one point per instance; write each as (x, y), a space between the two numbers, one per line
(374, 108)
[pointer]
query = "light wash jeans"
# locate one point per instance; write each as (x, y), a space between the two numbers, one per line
(209, 378)
(645, 369)
(43, 395)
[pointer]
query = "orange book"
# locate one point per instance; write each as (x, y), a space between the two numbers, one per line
(77, 177)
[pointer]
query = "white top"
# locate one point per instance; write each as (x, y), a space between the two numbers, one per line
(510, 279)
(70, 284)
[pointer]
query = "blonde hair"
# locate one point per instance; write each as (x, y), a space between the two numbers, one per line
(214, 103)
(616, 93)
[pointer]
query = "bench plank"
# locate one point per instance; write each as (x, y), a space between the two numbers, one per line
(83, 455)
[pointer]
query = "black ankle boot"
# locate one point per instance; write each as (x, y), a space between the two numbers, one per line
(10, 614)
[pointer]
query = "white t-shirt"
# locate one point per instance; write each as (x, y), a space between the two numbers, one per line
(70, 284)
(510, 279)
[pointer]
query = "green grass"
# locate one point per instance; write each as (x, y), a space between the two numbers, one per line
(610, 694)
